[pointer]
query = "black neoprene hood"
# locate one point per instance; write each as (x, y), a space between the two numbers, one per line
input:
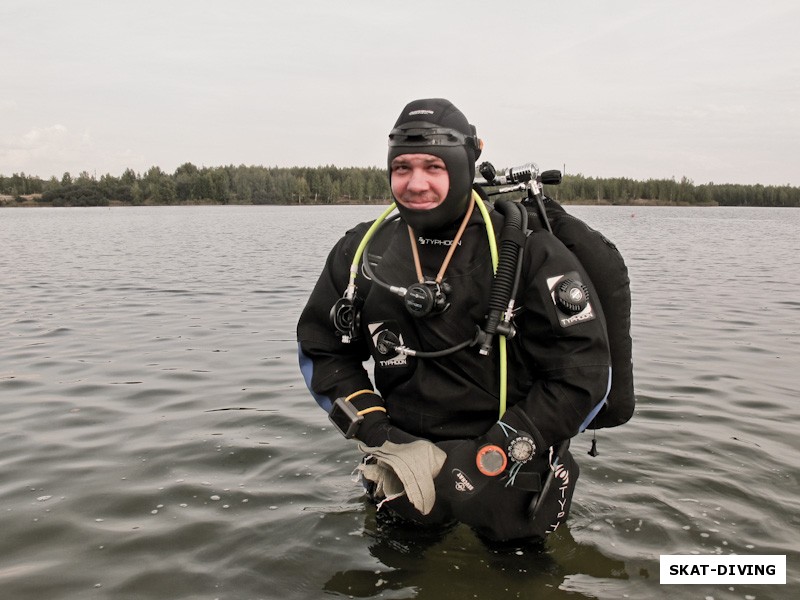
(435, 126)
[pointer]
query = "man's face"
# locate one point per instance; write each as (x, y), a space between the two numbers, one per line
(419, 181)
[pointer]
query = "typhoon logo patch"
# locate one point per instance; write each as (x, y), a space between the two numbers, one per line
(571, 299)
(385, 338)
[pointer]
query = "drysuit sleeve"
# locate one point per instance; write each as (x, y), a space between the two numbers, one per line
(564, 349)
(331, 368)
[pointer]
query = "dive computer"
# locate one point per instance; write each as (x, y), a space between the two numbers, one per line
(345, 418)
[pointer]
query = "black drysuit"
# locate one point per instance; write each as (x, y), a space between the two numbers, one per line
(558, 364)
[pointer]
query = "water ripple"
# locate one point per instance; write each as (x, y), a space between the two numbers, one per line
(158, 441)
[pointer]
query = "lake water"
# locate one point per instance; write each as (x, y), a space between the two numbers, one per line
(157, 441)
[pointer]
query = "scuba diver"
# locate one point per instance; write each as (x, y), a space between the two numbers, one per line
(486, 362)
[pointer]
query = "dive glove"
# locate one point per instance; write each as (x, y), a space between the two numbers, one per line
(510, 453)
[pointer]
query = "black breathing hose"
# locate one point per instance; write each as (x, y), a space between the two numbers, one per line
(512, 239)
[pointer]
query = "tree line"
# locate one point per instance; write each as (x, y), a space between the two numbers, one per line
(624, 191)
(332, 185)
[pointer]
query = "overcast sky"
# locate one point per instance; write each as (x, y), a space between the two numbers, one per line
(707, 89)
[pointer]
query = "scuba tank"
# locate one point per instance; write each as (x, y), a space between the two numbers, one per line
(602, 261)
(607, 270)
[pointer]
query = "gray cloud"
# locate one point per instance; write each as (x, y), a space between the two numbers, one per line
(707, 90)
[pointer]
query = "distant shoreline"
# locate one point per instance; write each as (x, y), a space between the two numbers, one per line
(257, 185)
(32, 201)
